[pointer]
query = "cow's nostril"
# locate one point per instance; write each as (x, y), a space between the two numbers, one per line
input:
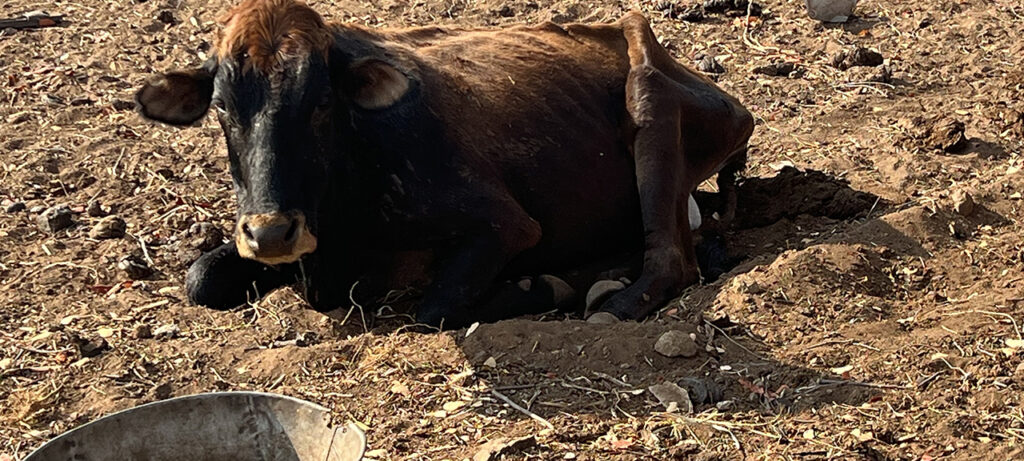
(290, 235)
(247, 232)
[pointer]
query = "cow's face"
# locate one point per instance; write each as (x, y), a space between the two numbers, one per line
(281, 102)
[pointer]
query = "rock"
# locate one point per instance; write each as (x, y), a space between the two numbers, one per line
(92, 347)
(703, 390)
(1018, 374)
(709, 65)
(135, 267)
(122, 104)
(602, 318)
(732, 7)
(692, 13)
(142, 331)
(16, 207)
(37, 209)
(205, 236)
(776, 69)
(963, 203)
(672, 397)
(161, 392)
(166, 17)
(503, 448)
(859, 56)
(55, 219)
(601, 291)
(490, 362)
(168, 331)
(831, 10)
(111, 227)
(562, 295)
(947, 134)
(506, 12)
(95, 209)
(675, 343)
(880, 74)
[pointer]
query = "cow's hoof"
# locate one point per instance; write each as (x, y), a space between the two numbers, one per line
(603, 318)
(601, 291)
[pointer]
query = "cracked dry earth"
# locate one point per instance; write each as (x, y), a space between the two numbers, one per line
(874, 311)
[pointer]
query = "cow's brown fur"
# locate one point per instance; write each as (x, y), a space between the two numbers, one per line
(509, 150)
(271, 32)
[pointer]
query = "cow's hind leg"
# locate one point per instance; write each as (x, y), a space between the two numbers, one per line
(726, 182)
(664, 186)
(221, 279)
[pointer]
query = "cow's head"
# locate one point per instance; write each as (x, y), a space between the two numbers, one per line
(282, 90)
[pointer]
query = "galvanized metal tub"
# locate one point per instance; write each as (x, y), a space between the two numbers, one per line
(221, 426)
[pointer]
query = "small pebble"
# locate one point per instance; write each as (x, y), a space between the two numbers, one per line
(16, 207)
(675, 343)
(603, 318)
(135, 267)
(142, 331)
(94, 209)
(1018, 374)
(857, 57)
(111, 227)
(55, 219)
(205, 236)
(92, 347)
(36, 209)
(167, 331)
(709, 65)
(776, 69)
(947, 134)
(161, 392)
(963, 203)
(672, 397)
(600, 292)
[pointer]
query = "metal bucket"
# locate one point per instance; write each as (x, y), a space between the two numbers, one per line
(222, 426)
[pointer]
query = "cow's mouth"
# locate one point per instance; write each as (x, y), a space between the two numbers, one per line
(274, 238)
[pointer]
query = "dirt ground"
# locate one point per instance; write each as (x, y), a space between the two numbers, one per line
(875, 311)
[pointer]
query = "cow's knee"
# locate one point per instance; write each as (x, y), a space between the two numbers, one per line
(221, 279)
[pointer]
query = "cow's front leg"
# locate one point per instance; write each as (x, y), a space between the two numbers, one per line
(664, 185)
(222, 279)
(470, 268)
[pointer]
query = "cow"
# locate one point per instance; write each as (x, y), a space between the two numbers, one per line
(501, 151)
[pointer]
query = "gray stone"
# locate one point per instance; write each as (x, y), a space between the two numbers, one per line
(16, 207)
(135, 267)
(94, 209)
(831, 10)
(55, 219)
(167, 331)
(672, 397)
(601, 291)
(111, 227)
(675, 343)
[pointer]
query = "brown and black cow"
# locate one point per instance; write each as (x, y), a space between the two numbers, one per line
(507, 151)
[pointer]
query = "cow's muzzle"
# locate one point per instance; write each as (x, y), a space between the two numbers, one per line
(274, 238)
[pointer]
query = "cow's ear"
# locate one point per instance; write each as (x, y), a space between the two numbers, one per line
(176, 98)
(375, 84)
